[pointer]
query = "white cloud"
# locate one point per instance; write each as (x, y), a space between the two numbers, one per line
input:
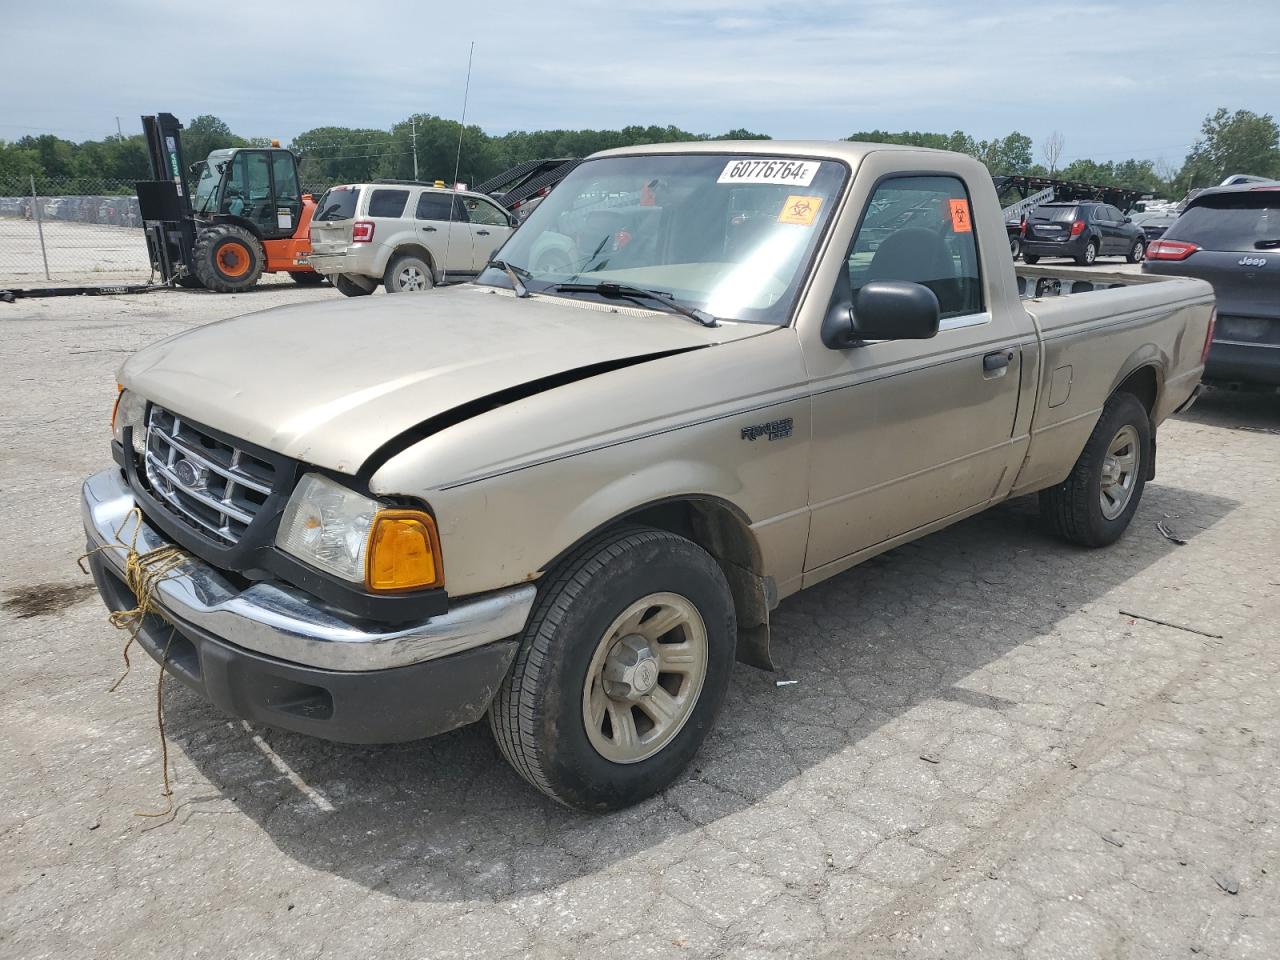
(1115, 78)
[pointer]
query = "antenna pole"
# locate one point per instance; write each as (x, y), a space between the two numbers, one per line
(413, 127)
(466, 93)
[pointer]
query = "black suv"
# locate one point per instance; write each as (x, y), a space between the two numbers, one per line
(1230, 236)
(1084, 230)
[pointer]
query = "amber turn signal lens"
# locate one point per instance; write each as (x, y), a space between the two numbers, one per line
(404, 552)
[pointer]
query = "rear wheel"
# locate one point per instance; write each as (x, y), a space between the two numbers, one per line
(1138, 252)
(350, 288)
(408, 273)
(1031, 258)
(620, 671)
(307, 278)
(1094, 505)
(1090, 255)
(228, 259)
(1015, 247)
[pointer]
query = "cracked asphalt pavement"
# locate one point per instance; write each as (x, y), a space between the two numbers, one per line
(979, 756)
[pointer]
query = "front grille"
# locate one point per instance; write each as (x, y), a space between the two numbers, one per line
(207, 483)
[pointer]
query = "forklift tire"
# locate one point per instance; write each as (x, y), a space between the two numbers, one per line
(307, 278)
(190, 283)
(228, 259)
(348, 287)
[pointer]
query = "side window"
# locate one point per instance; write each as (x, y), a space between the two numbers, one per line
(919, 229)
(480, 211)
(433, 206)
(286, 176)
(388, 203)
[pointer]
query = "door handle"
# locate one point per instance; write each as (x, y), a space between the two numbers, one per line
(428, 229)
(999, 360)
(482, 233)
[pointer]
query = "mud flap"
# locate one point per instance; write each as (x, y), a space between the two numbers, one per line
(753, 597)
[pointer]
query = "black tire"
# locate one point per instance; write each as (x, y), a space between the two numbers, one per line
(408, 273)
(1138, 252)
(537, 715)
(1073, 509)
(307, 278)
(189, 283)
(1090, 255)
(228, 259)
(349, 288)
(1015, 247)
(1031, 259)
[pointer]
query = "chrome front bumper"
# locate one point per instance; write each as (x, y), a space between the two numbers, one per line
(277, 620)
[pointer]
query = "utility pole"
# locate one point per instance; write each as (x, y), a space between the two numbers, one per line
(413, 127)
(119, 132)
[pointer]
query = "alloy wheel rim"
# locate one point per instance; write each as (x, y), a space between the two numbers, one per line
(1139, 251)
(645, 678)
(411, 279)
(1119, 472)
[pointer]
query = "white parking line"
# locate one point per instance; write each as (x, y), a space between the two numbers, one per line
(277, 761)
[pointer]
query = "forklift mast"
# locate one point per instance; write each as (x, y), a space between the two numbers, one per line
(164, 201)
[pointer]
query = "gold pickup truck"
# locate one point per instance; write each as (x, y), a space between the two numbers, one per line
(566, 496)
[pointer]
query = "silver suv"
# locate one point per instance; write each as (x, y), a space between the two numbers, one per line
(403, 235)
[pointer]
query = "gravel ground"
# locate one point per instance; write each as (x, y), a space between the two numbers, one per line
(980, 756)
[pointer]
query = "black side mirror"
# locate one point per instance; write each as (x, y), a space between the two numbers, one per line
(1128, 219)
(883, 310)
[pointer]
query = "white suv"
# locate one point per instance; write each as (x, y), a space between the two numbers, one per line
(403, 235)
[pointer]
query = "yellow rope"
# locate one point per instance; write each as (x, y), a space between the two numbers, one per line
(143, 572)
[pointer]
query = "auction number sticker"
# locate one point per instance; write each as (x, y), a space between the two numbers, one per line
(791, 173)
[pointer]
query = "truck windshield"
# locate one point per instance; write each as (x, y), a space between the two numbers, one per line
(728, 235)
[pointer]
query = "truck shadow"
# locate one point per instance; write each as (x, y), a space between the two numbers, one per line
(447, 820)
(1237, 410)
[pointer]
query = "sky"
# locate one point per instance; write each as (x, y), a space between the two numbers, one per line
(1118, 80)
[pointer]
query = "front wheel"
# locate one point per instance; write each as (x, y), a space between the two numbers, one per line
(228, 259)
(620, 671)
(1138, 252)
(307, 278)
(1031, 259)
(1096, 502)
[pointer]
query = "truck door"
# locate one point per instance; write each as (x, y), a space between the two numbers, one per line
(907, 432)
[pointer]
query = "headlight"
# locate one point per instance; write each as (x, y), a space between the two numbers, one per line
(358, 539)
(130, 411)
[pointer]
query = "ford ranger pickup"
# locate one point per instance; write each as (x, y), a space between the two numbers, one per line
(566, 496)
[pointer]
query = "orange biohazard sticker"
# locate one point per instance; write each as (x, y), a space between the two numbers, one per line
(801, 210)
(960, 221)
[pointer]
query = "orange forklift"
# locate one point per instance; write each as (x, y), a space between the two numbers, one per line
(246, 216)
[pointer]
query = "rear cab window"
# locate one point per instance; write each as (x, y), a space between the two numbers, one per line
(1235, 222)
(387, 203)
(338, 203)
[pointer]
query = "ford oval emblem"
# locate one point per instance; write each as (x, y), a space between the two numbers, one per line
(189, 474)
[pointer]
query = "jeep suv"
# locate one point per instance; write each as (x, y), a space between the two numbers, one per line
(1083, 231)
(1230, 236)
(404, 235)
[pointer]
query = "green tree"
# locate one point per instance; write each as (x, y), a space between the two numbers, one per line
(205, 134)
(1239, 142)
(339, 154)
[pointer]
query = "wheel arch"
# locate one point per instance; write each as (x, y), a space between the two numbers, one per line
(1145, 381)
(417, 250)
(724, 531)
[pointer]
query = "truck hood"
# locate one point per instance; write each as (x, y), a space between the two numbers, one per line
(330, 383)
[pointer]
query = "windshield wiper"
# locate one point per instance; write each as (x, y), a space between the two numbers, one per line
(514, 274)
(1266, 244)
(624, 291)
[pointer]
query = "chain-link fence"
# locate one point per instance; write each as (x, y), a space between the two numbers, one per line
(71, 229)
(74, 229)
